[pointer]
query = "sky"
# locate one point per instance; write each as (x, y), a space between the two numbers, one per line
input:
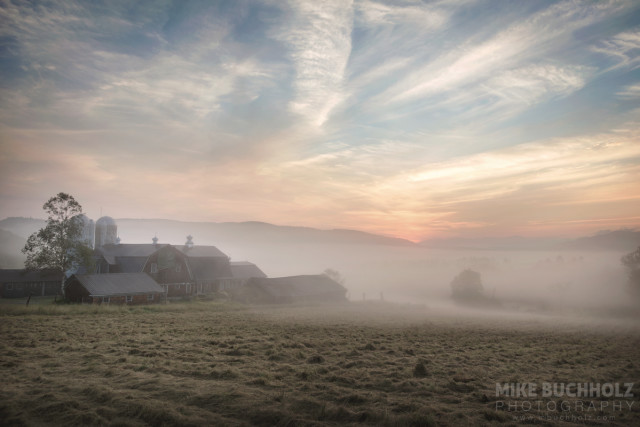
(413, 119)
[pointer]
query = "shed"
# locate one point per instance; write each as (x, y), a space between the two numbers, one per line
(119, 288)
(241, 272)
(282, 290)
(23, 283)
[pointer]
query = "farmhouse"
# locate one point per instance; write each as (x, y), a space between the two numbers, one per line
(283, 290)
(23, 283)
(118, 288)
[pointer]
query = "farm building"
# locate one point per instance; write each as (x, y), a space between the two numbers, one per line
(115, 288)
(169, 268)
(188, 270)
(241, 272)
(124, 258)
(283, 290)
(23, 283)
(207, 265)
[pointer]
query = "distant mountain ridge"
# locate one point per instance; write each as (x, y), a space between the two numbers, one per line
(624, 240)
(21, 226)
(617, 240)
(249, 232)
(493, 243)
(255, 232)
(175, 232)
(10, 250)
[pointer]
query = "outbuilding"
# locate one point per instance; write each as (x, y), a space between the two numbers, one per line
(241, 272)
(23, 283)
(115, 288)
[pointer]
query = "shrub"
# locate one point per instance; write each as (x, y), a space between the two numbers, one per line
(420, 370)
(467, 286)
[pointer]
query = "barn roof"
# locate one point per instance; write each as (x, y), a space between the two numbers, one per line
(298, 286)
(205, 269)
(112, 252)
(245, 270)
(201, 251)
(131, 264)
(22, 275)
(118, 284)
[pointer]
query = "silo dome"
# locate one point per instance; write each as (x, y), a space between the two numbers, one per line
(106, 231)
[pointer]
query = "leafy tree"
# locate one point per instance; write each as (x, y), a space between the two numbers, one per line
(632, 262)
(467, 286)
(59, 244)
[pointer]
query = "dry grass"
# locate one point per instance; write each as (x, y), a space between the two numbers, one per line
(216, 364)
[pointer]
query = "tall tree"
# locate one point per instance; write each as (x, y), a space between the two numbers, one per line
(59, 244)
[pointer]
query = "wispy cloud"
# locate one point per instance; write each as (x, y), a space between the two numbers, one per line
(629, 92)
(507, 62)
(623, 48)
(537, 179)
(405, 118)
(319, 40)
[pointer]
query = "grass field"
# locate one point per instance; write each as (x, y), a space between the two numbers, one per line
(221, 364)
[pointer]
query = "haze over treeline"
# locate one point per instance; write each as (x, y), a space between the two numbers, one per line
(531, 273)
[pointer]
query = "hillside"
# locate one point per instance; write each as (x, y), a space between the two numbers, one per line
(492, 243)
(10, 247)
(170, 231)
(22, 227)
(624, 240)
(142, 230)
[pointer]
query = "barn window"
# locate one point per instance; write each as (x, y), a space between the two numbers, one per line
(150, 297)
(129, 298)
(178, 268)
(9, 286)
(188, 288)
(106, 299)
(154, 267)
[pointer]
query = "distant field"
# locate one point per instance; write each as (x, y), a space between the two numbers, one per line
(220, 364)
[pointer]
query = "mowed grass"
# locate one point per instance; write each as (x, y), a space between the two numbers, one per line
(221, 364)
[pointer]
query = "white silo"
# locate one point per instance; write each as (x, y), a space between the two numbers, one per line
(88, 230)
(106, 231)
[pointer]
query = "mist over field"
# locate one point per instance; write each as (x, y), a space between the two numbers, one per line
(407, 272)
(581, 275)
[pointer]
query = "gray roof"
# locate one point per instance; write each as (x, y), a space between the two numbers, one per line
(206, 263)
(22, 276)
(118, 284)
(245, 270)
(131, 264)
(299, 286)
(201, 251)
(141, 250)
